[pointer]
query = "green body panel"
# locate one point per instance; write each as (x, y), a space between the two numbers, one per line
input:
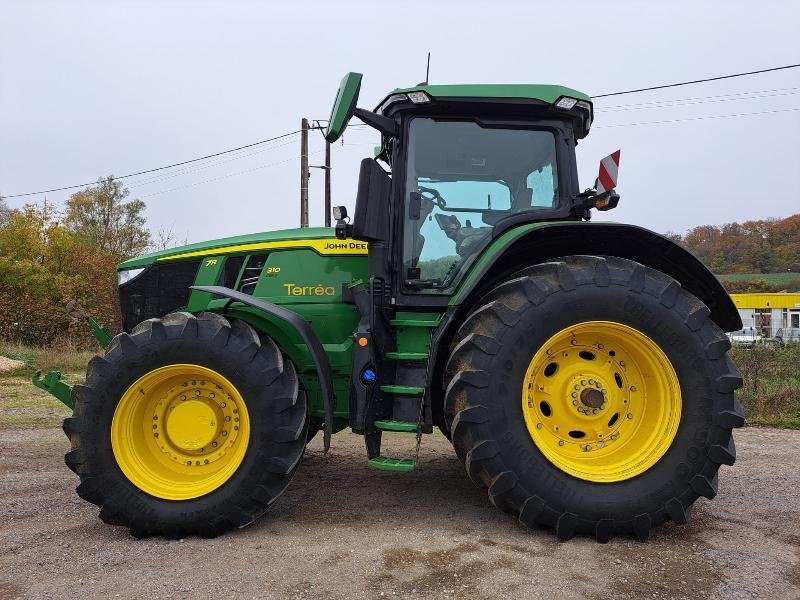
(282, 235)
(487, 91)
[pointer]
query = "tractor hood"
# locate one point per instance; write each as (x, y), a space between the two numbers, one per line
(320, 239)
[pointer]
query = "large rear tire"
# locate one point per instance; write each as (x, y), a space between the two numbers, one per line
(593, 395)
(190, 425)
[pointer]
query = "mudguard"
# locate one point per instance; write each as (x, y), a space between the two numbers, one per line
(534, 243)
(306, 333)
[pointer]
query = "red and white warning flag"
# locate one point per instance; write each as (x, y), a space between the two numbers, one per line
(607, 179)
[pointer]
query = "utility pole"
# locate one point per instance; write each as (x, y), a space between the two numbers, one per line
(327, 183)
(304, 173)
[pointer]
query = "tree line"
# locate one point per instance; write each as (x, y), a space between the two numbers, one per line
(49, 256)
(767, 250)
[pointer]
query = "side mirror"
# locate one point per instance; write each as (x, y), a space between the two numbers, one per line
(344, 106)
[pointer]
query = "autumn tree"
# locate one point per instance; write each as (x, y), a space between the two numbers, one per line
(102, 216)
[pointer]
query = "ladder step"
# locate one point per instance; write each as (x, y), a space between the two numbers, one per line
(414, 323)
(407, 355)
(396, 426)
(384, 463)
(403, 390)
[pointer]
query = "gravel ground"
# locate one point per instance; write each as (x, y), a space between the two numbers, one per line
(343, 530)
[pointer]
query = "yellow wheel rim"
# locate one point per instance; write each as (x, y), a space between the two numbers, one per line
(180, 431)
(601, 401)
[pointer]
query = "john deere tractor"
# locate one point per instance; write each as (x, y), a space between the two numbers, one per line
(579, 369)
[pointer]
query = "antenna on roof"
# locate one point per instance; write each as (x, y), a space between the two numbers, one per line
(428, 69)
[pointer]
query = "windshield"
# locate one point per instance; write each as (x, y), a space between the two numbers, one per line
(462, 179)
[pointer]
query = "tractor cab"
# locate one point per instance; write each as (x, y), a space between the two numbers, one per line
(467, 163)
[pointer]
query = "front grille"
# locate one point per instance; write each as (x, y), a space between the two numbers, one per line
(161, 289)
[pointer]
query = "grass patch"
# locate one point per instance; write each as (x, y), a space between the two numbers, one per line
(65, 358)
(24, 406)
(768, 277)
(771, 392)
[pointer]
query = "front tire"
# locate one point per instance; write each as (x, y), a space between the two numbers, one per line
(190, 425)
(540, 451)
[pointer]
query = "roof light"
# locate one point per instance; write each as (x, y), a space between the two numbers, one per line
(391, 100)
(419, 97)
(566, 103)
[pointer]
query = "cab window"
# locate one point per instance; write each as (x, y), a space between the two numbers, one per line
(461, 180)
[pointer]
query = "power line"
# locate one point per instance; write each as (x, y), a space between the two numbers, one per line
(177, 164)
(700, 100)
(707, 79)
(703, 118)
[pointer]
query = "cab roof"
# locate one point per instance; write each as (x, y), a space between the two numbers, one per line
(487, 91)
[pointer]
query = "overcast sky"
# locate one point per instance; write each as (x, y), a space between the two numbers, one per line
(89, 89)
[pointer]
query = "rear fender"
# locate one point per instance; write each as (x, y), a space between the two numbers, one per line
(535, 243)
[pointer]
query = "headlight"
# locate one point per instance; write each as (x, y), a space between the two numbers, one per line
(129, 274)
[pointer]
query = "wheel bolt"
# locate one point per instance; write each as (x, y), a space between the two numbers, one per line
(189, 463)
(630, 415)
(224, 432)
(600, 346)
(560, 442)
(205, 461)
(227, 419)
(212, 395)
(594, 411)
(577, 387)
(236, 427)
(622, 363)
(588, 447)
(214, 444)
(223, 404)
(591, 382)
(155, 417)
(183, 397)
(575, 403)
(633, 388)
(601, 444)
(574, 395)
(583, 382)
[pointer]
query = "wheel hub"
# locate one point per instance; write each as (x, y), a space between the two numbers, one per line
(592, 398)
(192, 425)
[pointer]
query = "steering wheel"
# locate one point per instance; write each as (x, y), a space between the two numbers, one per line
(436, 196)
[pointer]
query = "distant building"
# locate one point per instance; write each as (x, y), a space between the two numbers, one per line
(770, 315)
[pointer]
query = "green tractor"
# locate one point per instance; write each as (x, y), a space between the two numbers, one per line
(579, 369)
